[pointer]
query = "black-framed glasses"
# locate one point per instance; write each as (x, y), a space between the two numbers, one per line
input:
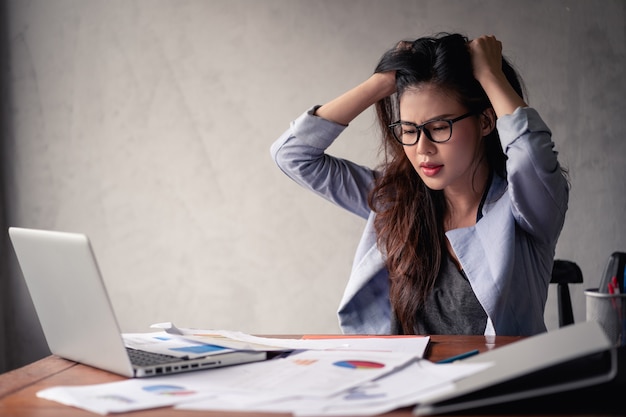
(438, 131)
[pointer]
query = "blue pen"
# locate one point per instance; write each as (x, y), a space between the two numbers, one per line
(459, 357)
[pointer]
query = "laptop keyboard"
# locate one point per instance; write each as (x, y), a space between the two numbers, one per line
(143, 358)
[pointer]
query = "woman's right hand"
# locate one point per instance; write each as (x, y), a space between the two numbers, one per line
(387, 83)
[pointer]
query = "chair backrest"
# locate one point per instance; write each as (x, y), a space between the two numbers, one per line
(564, 273)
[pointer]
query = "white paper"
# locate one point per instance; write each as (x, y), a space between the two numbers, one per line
(310, 373)
(173, 345)
(237, 340)
(123, 396)
(323, 373)
(402, 388)
(337, 375)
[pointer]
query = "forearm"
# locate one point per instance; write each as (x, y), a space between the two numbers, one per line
(503, 97)
(300, 153)
(349, 105)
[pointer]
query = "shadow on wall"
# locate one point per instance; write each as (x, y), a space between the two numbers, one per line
(21, 337)
(4, 270)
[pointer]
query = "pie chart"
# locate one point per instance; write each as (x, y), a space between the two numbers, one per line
(353, 364)
(171, 390)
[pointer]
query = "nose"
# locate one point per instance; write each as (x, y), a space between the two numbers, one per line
(424, 146)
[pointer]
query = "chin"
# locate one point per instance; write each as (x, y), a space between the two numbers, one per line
(432, 185)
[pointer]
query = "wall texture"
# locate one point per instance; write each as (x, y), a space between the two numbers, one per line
(147, 124)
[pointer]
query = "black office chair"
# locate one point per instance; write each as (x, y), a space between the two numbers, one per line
(563, 274)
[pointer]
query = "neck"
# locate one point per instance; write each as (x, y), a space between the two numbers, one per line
(463, 203)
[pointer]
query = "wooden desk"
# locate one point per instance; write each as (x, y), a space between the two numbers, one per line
(18, 387)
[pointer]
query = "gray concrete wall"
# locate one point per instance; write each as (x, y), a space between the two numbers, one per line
(147, 125)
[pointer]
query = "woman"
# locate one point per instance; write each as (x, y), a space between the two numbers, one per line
(464, 213)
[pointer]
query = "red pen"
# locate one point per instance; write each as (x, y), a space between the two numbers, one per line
(611, 288)
(615, 285)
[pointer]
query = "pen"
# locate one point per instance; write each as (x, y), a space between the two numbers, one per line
(615, 284)
(459, 357)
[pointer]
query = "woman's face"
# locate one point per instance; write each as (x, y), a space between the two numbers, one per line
(448, 166)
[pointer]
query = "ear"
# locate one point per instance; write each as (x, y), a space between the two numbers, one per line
(487, 121)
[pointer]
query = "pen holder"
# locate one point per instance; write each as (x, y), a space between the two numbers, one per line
(609, 310)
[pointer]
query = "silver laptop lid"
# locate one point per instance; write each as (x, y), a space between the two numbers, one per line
(69, 296)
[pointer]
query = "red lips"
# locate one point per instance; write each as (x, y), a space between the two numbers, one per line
(430, 170)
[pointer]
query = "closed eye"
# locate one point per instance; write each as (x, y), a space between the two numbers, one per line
(438, 125)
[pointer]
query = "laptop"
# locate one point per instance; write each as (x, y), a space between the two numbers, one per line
(76, 315)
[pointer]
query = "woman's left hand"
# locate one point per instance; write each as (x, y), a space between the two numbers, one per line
(486, 53)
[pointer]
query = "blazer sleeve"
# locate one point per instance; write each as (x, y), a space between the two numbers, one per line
(300, 153)
(538, 188)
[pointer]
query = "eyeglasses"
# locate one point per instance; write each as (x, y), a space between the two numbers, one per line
(437, 131)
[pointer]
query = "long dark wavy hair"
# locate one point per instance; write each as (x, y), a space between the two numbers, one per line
(409, 215)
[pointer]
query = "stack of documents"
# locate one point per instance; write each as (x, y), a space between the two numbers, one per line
(334, 376)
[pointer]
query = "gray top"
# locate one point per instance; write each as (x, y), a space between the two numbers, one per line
(452, 306)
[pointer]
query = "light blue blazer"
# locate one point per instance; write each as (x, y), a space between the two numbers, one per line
(507, 255)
